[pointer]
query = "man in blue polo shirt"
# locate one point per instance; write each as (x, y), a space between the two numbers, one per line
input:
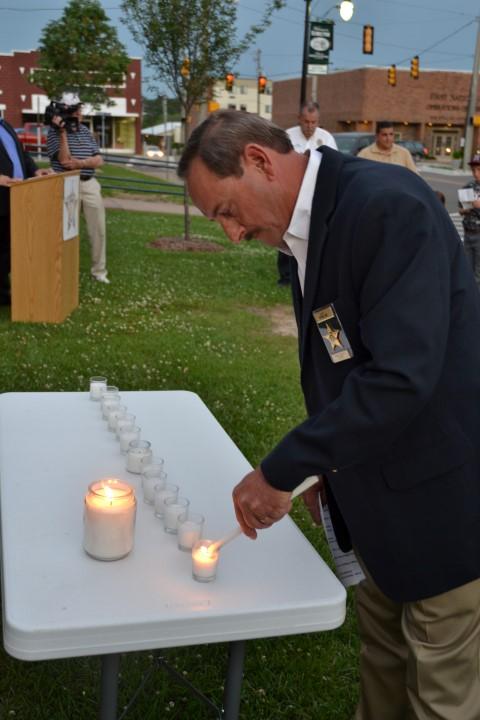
(71, 146)
(15, 166)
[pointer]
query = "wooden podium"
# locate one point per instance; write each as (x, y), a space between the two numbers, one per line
(44, 265)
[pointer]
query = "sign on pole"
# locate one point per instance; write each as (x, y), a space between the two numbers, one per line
(320, 42)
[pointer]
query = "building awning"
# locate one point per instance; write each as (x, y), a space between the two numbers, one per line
(162, 129)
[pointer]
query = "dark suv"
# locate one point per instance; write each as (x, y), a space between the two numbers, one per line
(352, 142)
(417, 149)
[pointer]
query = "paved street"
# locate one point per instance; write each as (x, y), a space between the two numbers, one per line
(448, 182)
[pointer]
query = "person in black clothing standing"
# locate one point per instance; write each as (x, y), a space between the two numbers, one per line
(15, 166)
(471, 220)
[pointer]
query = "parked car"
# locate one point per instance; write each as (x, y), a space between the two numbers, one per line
(416, 148)
(28, 135)
(352, 142)
(152, 151)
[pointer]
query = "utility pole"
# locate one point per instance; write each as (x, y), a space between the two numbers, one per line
(303, 86)
(472, 103)
(258, 58)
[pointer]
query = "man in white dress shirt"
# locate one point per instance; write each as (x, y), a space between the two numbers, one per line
(307, 135)
(304, 136)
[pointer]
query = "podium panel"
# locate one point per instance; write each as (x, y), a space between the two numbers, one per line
(44, 266)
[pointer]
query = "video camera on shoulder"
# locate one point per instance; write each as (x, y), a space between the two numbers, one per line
(65, 111)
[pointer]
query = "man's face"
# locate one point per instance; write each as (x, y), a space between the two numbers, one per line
(476, 172)
(384, 138)
(246, 207)
(308, 121)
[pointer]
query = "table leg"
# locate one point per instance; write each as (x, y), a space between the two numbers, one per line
(233, 686)
(109, 686)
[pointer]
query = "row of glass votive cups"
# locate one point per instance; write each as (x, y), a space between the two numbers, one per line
(122, 423)
(170, 507)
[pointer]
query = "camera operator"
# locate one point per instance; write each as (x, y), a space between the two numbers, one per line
(71, 146)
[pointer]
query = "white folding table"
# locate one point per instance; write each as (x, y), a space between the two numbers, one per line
(58, 602)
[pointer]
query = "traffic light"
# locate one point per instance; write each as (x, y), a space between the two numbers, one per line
(262, 84)
(392, 75)
(367, 46)
(415, 67)
(185, 69)
(229, 80)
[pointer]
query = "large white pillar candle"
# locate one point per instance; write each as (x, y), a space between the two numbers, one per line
(204, 561)
(139, 455)
(109, 519)
(97, 385)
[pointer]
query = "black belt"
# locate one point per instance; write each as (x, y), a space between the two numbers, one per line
(84, 178)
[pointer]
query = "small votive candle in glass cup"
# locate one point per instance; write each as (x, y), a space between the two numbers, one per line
(124, 422)
(162, 493)
(108, 392)
(189, 530)
(204, 561)
(173, 508)
(109, 404)
(152, 475)
(114, 415)
(139, 455)
(97, 385)
(109, 519)
(128, 435)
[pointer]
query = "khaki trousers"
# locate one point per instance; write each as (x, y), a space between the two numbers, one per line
(94, 211)
(419, 660)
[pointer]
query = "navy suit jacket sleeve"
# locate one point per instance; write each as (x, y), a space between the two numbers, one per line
(401, 275)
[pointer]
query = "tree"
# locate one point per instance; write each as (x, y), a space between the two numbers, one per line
(81, 52)
(190, 43)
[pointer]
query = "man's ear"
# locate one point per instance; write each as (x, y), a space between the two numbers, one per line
(259, 157)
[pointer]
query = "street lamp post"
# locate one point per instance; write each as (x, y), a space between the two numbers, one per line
(303, 87)
(346, 8)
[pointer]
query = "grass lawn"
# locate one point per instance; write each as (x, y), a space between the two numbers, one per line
(174, 320)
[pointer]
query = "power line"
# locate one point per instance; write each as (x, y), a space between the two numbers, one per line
(447, 37)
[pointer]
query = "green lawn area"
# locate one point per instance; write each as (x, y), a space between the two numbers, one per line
(173, 320)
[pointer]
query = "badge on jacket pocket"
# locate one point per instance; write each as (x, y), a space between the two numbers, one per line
(333, 334)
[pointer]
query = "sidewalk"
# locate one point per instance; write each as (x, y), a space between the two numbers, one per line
(154, 206)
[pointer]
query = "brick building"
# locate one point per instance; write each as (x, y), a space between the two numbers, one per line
(432, 109)
(118, 125)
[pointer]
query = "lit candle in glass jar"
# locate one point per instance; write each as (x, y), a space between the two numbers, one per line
(204, 561)
(109, 519)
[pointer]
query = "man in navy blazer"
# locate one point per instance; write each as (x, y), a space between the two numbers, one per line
(15, 166)
(389, 340)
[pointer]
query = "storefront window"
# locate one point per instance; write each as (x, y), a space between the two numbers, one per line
(124, 134)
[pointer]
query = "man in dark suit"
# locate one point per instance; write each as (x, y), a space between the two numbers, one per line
(15, 166)
(389, 336)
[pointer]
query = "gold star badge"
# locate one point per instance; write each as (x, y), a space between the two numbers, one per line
(333, 337)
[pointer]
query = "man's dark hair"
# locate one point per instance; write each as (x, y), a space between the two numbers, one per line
(309, 107)
(219, 141)
(383, 124)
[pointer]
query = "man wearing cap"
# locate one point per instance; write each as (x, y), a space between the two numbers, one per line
(471, 220)
(15, 165)
(71, 146)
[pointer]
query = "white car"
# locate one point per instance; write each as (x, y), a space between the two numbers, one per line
(152, 151)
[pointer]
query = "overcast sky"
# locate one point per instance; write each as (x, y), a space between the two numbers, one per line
(442, 32)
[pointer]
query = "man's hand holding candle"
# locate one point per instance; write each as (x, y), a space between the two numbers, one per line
(257, 504)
